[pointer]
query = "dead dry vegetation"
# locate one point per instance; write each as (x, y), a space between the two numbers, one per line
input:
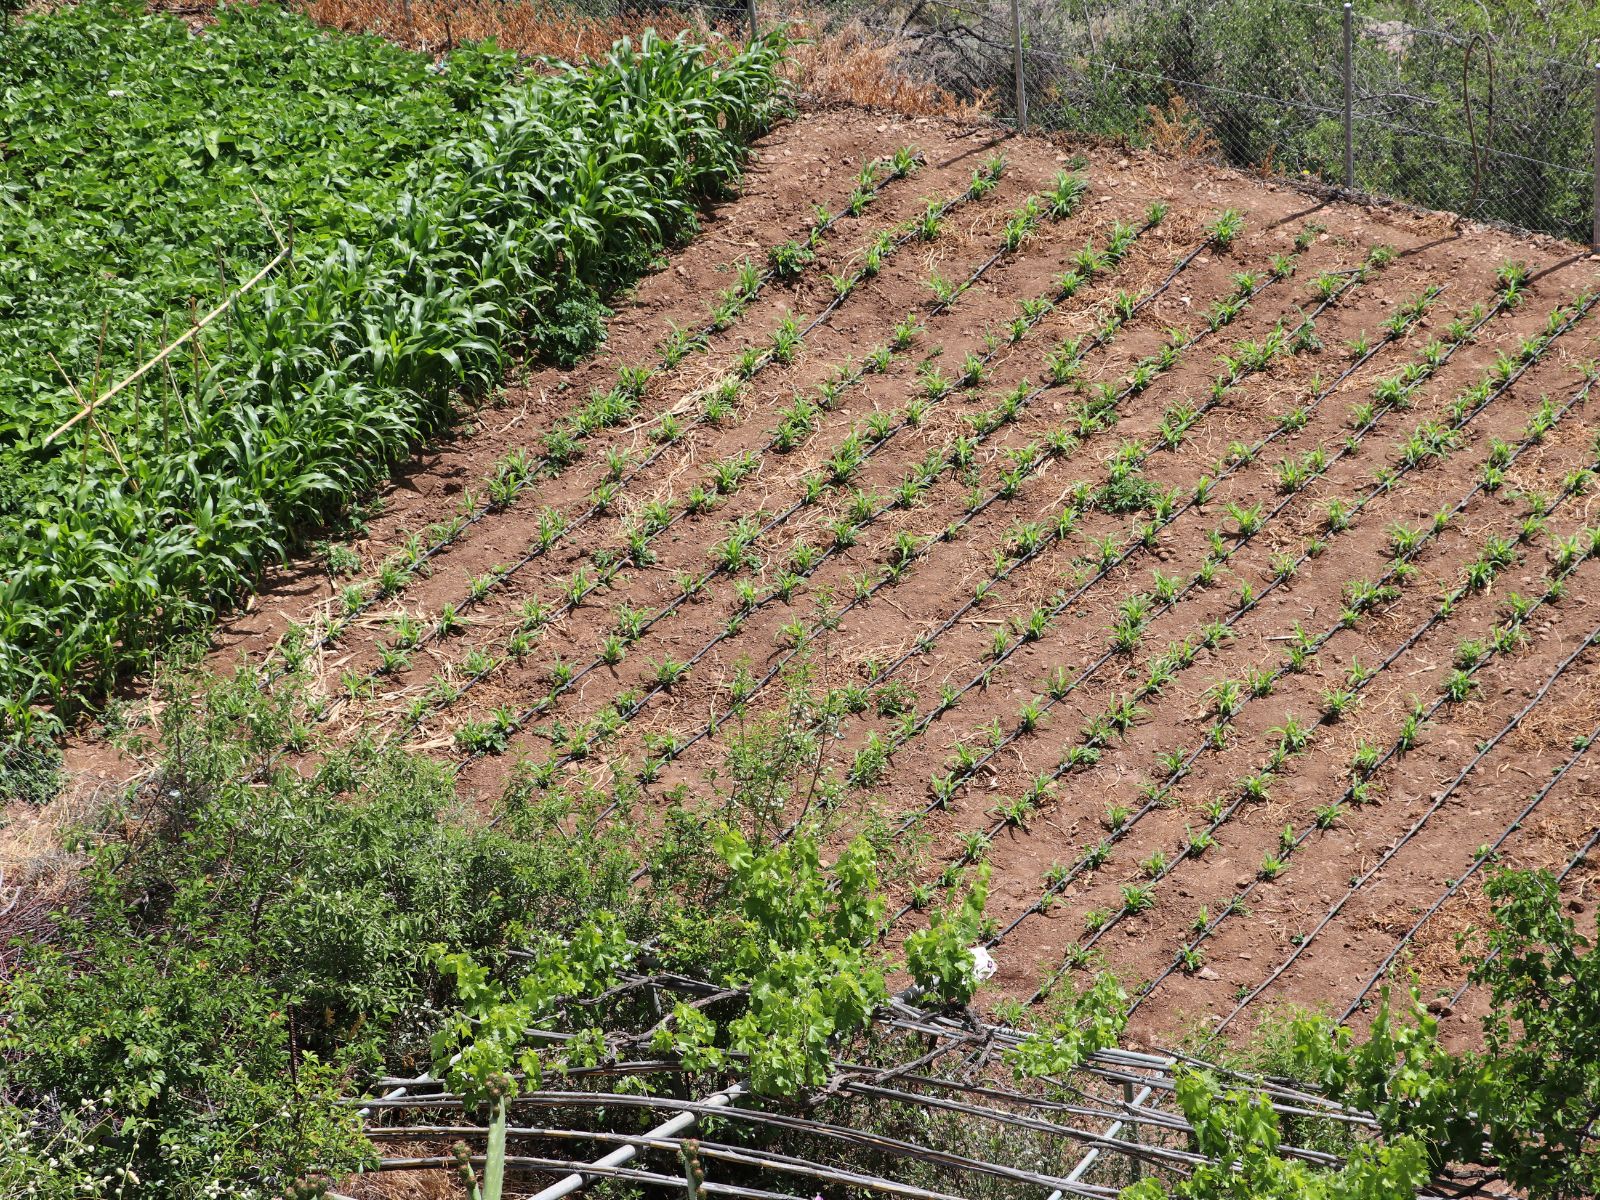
(831, 61)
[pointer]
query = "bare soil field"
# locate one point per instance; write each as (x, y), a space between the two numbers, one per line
(1210, 561)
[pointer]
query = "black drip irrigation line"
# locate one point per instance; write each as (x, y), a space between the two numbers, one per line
(669, 609)
(1066, 600)
(861, 598)
(597, 507)
(1482, 858)
(570, 604)
(814, 232)
(1087, 672)
(920, 647)
(1087, 860)
(1241, 798)
(1573, 863)
(1388, 855)
(823, 557)
(983, 677)
(1441, 614)
(1393, 751)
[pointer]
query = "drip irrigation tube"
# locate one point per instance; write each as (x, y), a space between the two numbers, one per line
(766, 277)
(1388, 855)
(1480, 860)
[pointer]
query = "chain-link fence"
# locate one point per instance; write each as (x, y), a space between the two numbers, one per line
(1498, 123)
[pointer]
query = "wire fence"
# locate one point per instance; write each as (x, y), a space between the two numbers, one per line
(1496, 123)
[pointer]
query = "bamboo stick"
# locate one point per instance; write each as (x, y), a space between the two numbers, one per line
(176, 343)
(105, 438)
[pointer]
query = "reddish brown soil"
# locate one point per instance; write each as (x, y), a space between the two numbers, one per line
(815, 160)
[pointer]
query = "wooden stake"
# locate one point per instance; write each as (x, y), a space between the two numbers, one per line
(105, 438)
(164, 395)
(138, 392)
(222, 278)
(194, 354)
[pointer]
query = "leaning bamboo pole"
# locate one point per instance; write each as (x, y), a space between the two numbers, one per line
(183, 339)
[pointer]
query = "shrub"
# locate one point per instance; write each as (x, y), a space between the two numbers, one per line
(244, 940)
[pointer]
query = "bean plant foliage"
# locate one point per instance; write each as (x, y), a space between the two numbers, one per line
(443, 216)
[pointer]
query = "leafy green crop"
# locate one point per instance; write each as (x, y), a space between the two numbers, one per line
(439, 221)
(136, 153)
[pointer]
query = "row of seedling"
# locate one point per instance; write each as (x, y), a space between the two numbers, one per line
(1228, 697)
(1497, 555)
(1029, 539)
(619, 404)
(1099, 732)
(1302, 941)
(855, 448)
(1125, 490)
(603, 409)
(1137, 611)
(1134, 614)
(1022, 461)
(863, 510)
(1471, 655)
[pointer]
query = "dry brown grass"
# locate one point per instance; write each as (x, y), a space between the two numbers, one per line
(851, 65)
(404, 1185)
(845, 64)
(38, 873)
(1570, 712)
(524, 26)
(1178, 131)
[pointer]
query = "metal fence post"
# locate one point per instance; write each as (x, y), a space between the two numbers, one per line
(1133, 1129)
(751, 5)
(1349, 98)
(1016, 65)
(1594, 234)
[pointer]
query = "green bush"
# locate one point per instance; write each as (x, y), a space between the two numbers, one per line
(1523, 1107)
(246, 944)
